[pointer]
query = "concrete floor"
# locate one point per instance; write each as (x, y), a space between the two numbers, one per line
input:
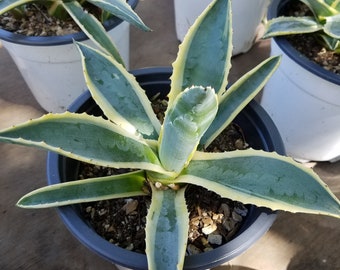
(38, 239)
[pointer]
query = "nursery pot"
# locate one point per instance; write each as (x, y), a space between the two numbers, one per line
(246, 17)
(51, 66)
(260, 133)
(303, 99)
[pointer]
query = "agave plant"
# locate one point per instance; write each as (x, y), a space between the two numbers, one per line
(131, 136)
(87, 22)
(324, 22)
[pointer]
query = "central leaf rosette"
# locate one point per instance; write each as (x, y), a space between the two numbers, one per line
(185, 122)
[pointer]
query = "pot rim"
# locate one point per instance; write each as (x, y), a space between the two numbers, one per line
(273, 11)
(258, 220)
(58, 40)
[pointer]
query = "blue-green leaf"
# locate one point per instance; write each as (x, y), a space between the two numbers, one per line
(185, 122)
(86, 138)
(330, 42)
(291, 25)
(238, 96)
(7, 5)
(118, 93)
(88, 190)
(331, 26)
(204, 56)
(167, 229)
(92, 28)
(320, 8)
(262, 178)
(122, 10)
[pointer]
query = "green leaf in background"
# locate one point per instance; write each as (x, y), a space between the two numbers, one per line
(291, 25)
(321, 8)
(122, 10)
(324, 23)
(92, 28)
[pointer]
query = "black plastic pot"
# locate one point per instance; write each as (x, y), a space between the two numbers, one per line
(276, 9)
(58, 40)
(260, 133)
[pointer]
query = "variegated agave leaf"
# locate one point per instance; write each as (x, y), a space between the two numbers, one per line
(323, 8)
(204, 56)
(86, 138)
(324, 23)
(88, 190)
(122, 10)
(87, 22)
(185, 122)
(282, 26)
(118, 8)
(7, 5)
(332, 28)
(118, 93)
(262, 178)
(92, 28)
(238, 96)
(167, 229)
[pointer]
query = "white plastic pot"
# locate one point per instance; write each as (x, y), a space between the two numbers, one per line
(303, 100)
(247, 15)
(51, 66)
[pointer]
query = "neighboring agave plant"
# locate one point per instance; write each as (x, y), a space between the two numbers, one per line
(88, 23)
(171, 155)
(324, 23)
